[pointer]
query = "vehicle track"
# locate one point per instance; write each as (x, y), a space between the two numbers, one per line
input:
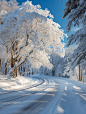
(36, 107)
(16, 90)
(18, 97)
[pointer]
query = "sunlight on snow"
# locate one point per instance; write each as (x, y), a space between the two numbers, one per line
(66, 83)
(64, 94)
(45, 94)
(65, 87)
(63, 99)
(83, 96)
(76, 87)
(16, 83)
(60, 110)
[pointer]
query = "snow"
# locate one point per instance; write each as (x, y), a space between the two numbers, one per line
(60, 110)
(8, 83)
(55, 96)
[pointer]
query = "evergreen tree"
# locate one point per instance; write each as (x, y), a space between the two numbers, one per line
(76, 16)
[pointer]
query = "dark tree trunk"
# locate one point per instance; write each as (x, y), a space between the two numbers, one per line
(5, 68)
(13, 60)
(15, 72)
(0, 66)
(6, 63)
(79, 73)
(32, 71)
(53, 72)
(29, 74)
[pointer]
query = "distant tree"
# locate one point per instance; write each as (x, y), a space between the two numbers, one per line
(3, 58)
(60, 67)
(28, 32)
(68, 69)
(56, 60)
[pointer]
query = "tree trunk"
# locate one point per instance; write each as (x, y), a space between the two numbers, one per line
(0, 66)
(79, 73)
(15, 72)
(5, 68)
(6, 63)
(53, 72)
(13, 60)
(29, 73)
(32, 71)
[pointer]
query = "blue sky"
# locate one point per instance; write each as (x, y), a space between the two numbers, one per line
(56, 7)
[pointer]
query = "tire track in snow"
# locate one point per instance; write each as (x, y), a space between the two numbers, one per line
(16, 90)
(38, 105)
(14, 98)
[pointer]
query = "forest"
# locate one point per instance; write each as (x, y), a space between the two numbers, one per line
(40, 73)
(31, 42)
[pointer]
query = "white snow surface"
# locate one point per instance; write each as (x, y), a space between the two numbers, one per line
(9, 83)
(54, 96)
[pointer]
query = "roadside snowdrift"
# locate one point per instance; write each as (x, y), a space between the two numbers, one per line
(8, 83)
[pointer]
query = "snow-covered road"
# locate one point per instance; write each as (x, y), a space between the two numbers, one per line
(51, 95)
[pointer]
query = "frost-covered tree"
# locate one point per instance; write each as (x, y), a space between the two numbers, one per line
(56, 59)
(4, 58)
(7, 6)
(1, 53)
(68, 69)
(28, 32)
(60, 67)
(76, 15)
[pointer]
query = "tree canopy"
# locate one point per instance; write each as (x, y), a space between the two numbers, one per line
(29, 32)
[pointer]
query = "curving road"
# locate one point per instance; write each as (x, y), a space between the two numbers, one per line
(51, 96)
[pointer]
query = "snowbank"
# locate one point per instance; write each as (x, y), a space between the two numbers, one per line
(8, 83)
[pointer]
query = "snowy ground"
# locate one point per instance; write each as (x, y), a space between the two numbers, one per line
(8, 83)
(42, 95)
